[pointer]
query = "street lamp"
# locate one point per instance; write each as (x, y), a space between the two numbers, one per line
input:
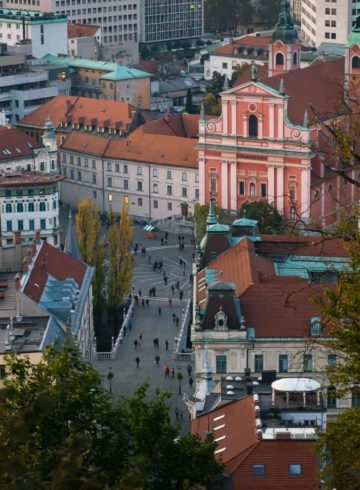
(110, 377)
(179, 377)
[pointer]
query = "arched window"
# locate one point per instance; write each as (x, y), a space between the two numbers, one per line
(253, 126)
(295, 57)
(331, 397)
(252, 189)
(355, 63)
(279, 59)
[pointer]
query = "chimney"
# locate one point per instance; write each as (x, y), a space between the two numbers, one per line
(25, 267)
(17, 238)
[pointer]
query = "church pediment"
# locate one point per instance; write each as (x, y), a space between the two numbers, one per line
(253, 88)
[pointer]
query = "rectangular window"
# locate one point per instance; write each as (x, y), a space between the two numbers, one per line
(196, 177)
(283, 363)
(79, 175)
(86, 162)
(31, 224)
(308, 363)
(140, 201)
(184, 176)
(20, 225)
(331, 359)
(169, 206)
(109, 182)
(79, 161)
(9, 226)
(241, 188)
(139, 186)
(94, 178)
(117, 167)
(169, 190)
(108, 166)
(258, 363)
(138, 171)
(126, 184)
(295, 469)
(169, 175)
(224, 65)
(94, 164)
(197, 193)
(258, 469)
(221, 364)
(155, 172)
(263, 189)
(125, 169)
(155, 204)
(184, 192)
(43, 224)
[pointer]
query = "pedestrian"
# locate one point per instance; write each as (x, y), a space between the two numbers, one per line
(177, 414)
(143, 303)
(191, 381)
(166, 235)
(170, 301)
(154, 292)
(183, 311)
(130, 325)
(181, 416)
(167, 372)
(137, 360)
(174, 317)
(160, 264)
(177, 285)
(159, 310)
(189, 369)
(157, 342)
(157, 360)
(166, 345)
(177, 321)
(164, 274)
(162, 242)
(140, 336)
(172, 372)
(180, 261)
(181, 294)
(172, 289)
(150, 292)
(125, 331)
(149, 259)
(139, 293)
(147, 302)
(133, 288)
(179, 238)
(165, 280)
(136, 299)
(135, 344)
(154, 342)
(155, 266)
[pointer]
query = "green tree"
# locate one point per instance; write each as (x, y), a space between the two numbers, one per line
(121, 260)
(227, 15)
(269, 219)
(91, 246)
(189, 107)
(211, 105)
(216, 85)
(268, 12)
(236, 72)
(60, 430)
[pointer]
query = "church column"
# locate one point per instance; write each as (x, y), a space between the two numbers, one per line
(202, 183)
(224, 185)
(271, 184)
(233, 117)
(225, 116)
(280, 188)
(245, 126)
(261, 125)
(233, 185)
(280, 134)
(305, 192)
(271, 121)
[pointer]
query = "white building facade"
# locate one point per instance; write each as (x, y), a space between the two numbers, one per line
(323, 21)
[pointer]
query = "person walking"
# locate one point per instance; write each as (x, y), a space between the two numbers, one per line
(143, 303)
(154, 291)
(135, 344)
(154, 343)
(172, 372)
(139, 293)
(177, 414)
(159, 310)
(170, 301)
(150, 292)
(165, 280)
(191, 381)
(157, 342)
(137, 360)
(174, 318)
(177, 321)
(157, 360)
(147, 302)
(166, 345)
(181, 294)
(140, 337)
(189, 369)
(149, 259)
(172, 289)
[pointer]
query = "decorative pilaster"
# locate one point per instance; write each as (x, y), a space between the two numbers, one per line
(224, 185)
(280, 189)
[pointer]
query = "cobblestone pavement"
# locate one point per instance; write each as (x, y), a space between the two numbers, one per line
(151, 324)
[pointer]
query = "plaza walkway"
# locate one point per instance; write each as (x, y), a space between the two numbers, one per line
(148, 323)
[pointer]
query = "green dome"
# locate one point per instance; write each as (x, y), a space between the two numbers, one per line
(285, 30)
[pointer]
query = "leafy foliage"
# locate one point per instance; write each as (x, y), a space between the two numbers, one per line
(216, 85)
(227, 15)
(268, 12)
(269, 219)
(189, 106)
(60, 430)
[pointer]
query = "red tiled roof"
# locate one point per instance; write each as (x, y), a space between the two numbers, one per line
(17, 143)
(85, 143)
(239, 427)
(81, 30)
(53, 262)
(149, 66)
(66, 108)
(184, 125)
(248, 41)
(29, 178)
(309, 246)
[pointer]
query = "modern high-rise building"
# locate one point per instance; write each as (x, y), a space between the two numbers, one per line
(325, 21)
(166, 20)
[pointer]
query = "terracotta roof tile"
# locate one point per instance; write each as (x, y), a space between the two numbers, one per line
(14, 144)
(248, 41)
(63, 108)
(184, 125)
(81, 30)
(85, 143)
(53, 262)
(303, 246)
(28, 177)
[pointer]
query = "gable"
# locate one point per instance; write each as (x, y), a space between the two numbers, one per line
(253, 88)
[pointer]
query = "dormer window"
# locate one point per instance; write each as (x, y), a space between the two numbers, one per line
(221, 320)
(315, 328)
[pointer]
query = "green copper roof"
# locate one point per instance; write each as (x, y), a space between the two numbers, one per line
(218, 228)
(354, 37)
(116, 71)
(285, 30)
(245, 222)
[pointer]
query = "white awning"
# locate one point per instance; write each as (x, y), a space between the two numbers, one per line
(295, 384)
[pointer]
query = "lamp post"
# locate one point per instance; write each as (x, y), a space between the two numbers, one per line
(179, 377)
(110, 377)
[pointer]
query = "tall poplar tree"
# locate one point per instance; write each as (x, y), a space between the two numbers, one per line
(121, 260)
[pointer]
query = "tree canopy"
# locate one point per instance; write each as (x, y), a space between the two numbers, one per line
(227, 15)
(269, 219)
(59, 429)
